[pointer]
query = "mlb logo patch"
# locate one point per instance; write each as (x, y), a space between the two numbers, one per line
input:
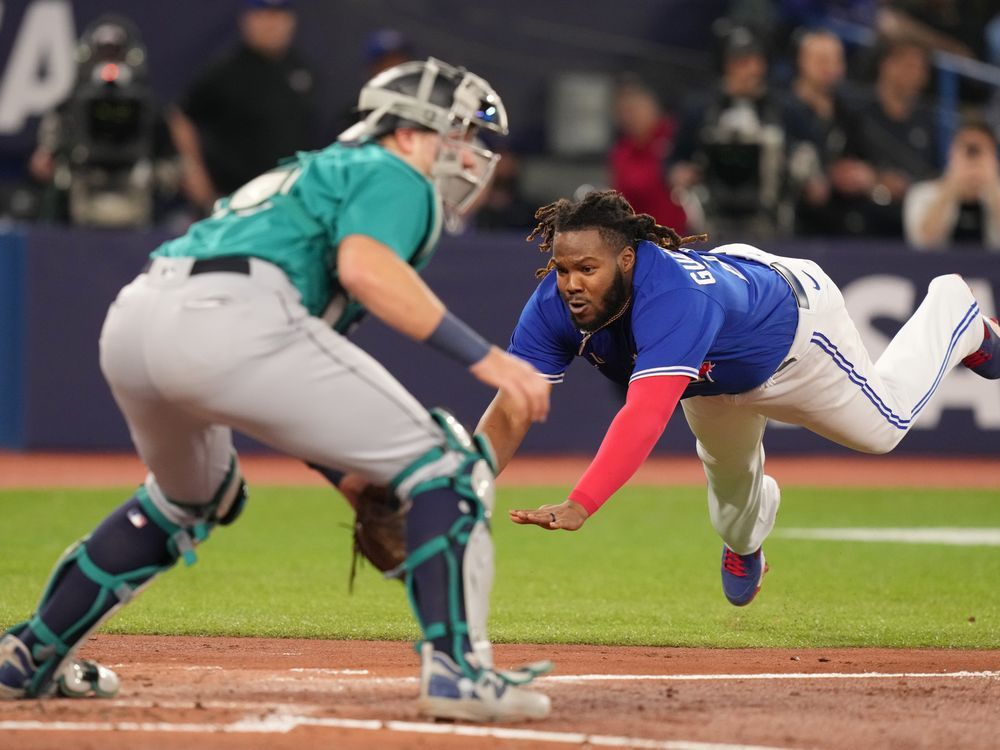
(137, 519)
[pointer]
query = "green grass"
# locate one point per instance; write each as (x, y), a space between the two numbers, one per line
(643, 571)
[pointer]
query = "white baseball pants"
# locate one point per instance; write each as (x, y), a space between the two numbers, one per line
(190, 356)
(829, 385)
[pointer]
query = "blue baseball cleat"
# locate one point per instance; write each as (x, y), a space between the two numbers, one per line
(447, 693)
(77, 679)
(742, 575)
(16, 667)
(985, 361)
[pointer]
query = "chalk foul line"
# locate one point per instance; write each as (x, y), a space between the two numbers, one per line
(954, 536)
(285, 724)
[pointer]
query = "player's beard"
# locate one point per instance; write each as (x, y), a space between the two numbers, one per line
(611, 304)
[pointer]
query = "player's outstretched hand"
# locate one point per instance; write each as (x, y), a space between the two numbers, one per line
(567, 515)
(528, 391)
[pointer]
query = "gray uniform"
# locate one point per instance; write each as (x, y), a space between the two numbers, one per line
(203, 341)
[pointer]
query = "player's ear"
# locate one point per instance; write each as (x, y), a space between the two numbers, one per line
(404, 139)
(626, 259)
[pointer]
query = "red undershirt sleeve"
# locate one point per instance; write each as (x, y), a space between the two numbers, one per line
(630, 438)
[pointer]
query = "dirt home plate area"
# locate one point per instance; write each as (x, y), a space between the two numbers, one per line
(206, 693)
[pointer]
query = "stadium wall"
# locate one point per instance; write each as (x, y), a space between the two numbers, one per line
(56, 284)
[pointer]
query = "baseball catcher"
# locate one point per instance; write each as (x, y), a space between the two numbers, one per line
(241, 324)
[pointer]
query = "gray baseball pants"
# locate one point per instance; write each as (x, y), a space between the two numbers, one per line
(191, 357)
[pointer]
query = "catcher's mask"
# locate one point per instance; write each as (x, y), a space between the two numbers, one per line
(433, 95)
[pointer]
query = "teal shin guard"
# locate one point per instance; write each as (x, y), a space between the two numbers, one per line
(449, 566)
(437, 532)
(96, 576)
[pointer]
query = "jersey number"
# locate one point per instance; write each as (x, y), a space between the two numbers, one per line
(256, 195)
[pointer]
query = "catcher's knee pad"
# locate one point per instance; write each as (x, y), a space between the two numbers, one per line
(105, 570)
(449, 566)
(465, 463)
(187, 524)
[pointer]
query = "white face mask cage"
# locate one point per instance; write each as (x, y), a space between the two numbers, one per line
(461, 173)
(462, 169)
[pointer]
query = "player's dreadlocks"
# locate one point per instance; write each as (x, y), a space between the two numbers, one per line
(608, 212)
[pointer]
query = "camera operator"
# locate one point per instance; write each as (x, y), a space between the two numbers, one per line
(828, 145)
(730, 149)
(105, 152)
(962, 207)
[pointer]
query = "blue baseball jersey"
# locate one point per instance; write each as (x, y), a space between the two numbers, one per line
(725, 322)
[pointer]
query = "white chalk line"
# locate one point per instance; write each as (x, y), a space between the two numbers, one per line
(573, 678)
(955, 536)
(317, 670)
(768, 676)
(211, 705)
(342, 682)
(285, 724)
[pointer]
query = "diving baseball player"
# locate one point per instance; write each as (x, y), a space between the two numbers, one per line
(741, 336)
(238, 325)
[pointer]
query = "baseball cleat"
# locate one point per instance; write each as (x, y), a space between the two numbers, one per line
(79, 679)
(985, 361)
(447, 693)
(742, 575)
(86, 679)
(16, 667)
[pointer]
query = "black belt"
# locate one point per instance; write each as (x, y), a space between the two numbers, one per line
(223, 264)
(797, 289)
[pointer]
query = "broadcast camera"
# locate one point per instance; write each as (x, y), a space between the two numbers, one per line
(103, 137)
(742, 146)
(744, 168)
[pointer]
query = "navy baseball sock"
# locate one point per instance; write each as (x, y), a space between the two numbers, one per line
(126, 541)
(438, 591)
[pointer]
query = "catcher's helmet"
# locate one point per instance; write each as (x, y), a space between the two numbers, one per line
(433, 95)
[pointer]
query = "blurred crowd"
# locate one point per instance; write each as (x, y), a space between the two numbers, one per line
(825, 119)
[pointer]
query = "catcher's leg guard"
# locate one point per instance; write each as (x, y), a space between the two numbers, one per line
(449, 567)
(449, 574)
(95, 576)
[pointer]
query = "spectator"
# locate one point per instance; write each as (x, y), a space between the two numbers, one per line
(899, 133)
(835, 182)
(730, 148)
(638, 158)
(503, 205)
(104, 155)
(777, 21)
(247, 110)
(963, 205)
(386, 48)
(945, 25)
(992, 35)
(382, 49)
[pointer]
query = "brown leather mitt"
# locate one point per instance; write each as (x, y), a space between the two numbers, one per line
(379, 530)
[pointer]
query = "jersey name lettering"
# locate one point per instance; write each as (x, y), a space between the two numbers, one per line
(696, 269)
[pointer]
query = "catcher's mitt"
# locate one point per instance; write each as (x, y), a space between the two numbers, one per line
(379, 530)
